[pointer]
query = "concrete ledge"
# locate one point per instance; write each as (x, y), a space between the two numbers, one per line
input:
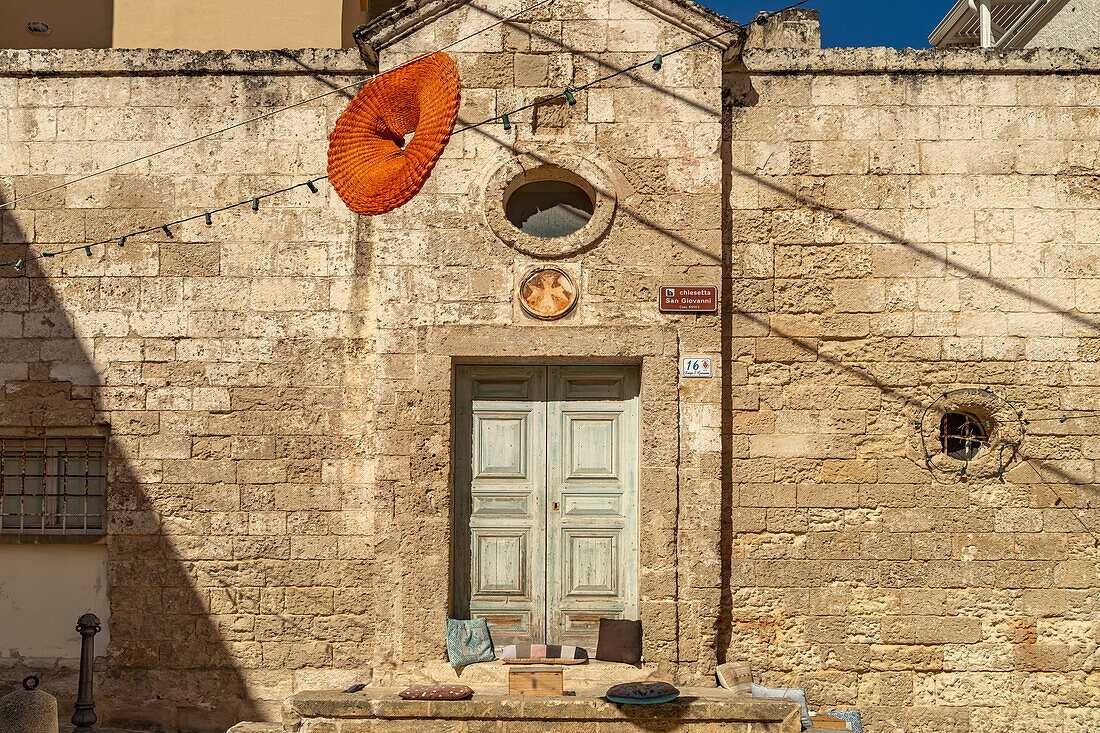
(256, 728)
(158, 62)
(703, 709)
(918, 61)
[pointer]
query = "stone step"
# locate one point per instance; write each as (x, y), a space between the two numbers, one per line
(256, 728)
(495, 674)
(700, 710)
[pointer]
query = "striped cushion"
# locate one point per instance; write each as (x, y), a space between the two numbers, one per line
(543, 651)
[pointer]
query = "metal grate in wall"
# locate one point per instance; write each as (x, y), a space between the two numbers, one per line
(52, 485)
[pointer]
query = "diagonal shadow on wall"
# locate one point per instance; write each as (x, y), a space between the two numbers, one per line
(167, 666)
(911, 398)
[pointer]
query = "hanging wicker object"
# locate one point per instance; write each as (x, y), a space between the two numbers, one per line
(369, 164)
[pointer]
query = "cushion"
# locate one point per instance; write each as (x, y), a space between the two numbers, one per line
(642, 693)
(790, 693)
(619, 641)
(544, 654)
(736, 677)
(851, 717)
(469, 642)
(436, 692)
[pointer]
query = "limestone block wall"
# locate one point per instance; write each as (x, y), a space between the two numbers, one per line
(443, 287)
(902, 224)
(224, 364)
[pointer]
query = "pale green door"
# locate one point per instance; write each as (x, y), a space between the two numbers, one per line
(592, 477)
(500, 505)
(546, 535)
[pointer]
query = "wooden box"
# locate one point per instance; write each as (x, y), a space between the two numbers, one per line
(540, 681)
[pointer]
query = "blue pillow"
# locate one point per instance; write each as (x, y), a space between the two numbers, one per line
(849, 716)
(469, 642)
(790, 693)
(642, 693)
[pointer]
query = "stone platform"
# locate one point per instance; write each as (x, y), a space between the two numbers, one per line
(492, 710)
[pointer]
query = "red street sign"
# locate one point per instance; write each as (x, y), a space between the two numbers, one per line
(688, 299)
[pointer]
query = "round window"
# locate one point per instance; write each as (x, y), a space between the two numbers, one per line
(962, 435)
(549, 208)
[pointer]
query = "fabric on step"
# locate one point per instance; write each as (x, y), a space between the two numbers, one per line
(736, 677)
(543, 651)
(848, 716)
(789, 693)
(436, 692)
(642, 693)
(619, 641)
(469, 642)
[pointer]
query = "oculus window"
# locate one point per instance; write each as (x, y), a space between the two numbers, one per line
(549, 208)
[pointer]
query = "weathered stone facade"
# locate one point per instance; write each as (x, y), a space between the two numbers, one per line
(277, 386)
(902, 223)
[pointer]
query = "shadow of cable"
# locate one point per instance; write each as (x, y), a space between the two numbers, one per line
(167, 664)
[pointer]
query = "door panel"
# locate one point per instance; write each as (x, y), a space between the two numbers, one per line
(500, 538)
(592, 448)
(545, 509)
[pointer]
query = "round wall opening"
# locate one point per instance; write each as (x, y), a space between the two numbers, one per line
(549, 208)
(962, 435)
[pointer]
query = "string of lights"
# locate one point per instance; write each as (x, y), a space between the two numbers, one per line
(567, 94)
(166, 227)
(1065, 504)
(269, 113)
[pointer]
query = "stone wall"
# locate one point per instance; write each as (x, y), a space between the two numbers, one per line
(442, 285)
(222, 362)
(697, 710)
(277, 387)
(902, 224)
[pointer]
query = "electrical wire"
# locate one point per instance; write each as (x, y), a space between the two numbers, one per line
(567, 94)
(265, 115)
(254, 202)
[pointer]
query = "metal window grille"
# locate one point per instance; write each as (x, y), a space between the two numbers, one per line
(52, 485)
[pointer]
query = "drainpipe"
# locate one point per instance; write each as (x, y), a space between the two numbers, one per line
(985, 23)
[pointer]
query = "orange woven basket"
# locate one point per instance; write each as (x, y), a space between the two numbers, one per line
(369, 164)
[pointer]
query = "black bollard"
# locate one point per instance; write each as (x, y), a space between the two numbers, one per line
(84, 715)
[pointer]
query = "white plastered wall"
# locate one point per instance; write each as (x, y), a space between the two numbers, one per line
(44, 589)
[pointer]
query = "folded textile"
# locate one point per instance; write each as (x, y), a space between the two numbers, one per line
(848, 716)
(543, 651)
(789, 693)
(436, 692)
(735, 677)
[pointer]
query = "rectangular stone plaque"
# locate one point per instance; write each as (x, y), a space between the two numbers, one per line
(688, 299)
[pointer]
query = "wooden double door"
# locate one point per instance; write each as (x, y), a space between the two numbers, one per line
(546, 516)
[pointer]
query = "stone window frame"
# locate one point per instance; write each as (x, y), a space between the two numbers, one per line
(594, 176)
(655, 350)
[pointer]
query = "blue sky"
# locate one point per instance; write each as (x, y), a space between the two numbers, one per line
(856, 22)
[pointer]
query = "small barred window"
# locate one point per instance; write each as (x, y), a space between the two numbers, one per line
(52, 485)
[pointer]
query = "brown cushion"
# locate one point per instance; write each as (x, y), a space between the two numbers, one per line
(436, 692)
(619, 641)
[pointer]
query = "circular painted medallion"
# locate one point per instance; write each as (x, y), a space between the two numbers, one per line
(547, 293)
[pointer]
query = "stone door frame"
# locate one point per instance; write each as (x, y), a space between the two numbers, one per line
(429, 567)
